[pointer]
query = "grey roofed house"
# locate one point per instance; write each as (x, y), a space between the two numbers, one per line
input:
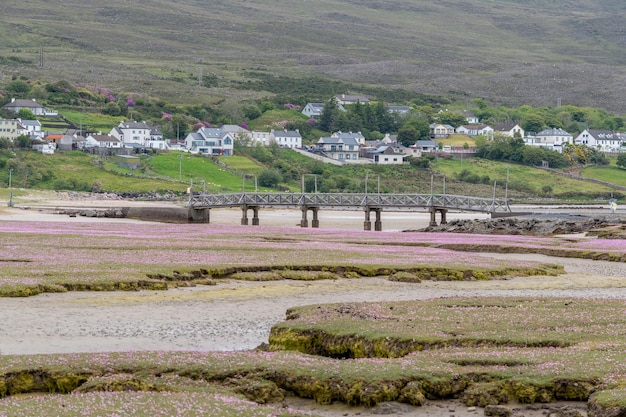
(314, 110)
(358, 136)
(37, 109)
(427, 145)
(398, 109)
(351, 99)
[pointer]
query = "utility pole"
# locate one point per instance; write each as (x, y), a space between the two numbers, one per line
(10, 188)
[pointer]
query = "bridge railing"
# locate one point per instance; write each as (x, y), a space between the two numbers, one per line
(350, 201)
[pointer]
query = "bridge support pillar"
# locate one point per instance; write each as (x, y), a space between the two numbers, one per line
(244, 215)
(304, 222)
(315, 222)
(433, 219)
(378, 224)
(199, 215)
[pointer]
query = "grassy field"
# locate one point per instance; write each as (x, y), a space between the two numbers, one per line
(457, 140)
(612, 174)
(92, 122)
(175, 171)
(78, 170)
(169, 171)
(532, 181)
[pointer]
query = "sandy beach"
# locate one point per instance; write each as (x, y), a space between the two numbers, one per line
(235, 315)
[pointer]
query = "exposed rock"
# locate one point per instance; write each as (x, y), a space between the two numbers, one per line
(598, 407)
(258, 390)
(539, 225)
(497, 410)
(390, 408)
(565, 412)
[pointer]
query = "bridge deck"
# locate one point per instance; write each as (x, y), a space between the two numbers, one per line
(350, 201)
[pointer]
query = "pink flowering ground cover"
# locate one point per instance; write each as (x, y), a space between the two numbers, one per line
(142, 404)
(526, 350)
(54, 256)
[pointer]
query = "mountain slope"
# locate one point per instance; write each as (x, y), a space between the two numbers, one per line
(509, 52)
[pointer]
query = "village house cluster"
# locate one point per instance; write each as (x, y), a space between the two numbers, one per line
(339, 148)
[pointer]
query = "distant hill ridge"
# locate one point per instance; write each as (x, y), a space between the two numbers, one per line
(532, 52)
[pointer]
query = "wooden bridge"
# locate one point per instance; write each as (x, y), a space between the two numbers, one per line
(200, 205)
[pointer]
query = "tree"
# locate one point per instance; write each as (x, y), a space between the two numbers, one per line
(25, 114)
(532, 155)
(18, 88)
(533, 123)
(269, 178)
(621, 160)
(251, 112)
(112, 109)
(408, 135)
(451, 118)
(329, 115)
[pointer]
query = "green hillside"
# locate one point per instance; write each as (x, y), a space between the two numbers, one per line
(508, 52)
(175, 172)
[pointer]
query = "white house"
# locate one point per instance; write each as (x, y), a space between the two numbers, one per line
(510, 129)
(385, 155)
(37, 109)
(314, 110)
(554, 139)
(103, 141)
(211, 141)
(339, 148)
(345, 99)
(139, 134)
(31, 128)
(398, 109)
(602, 140)
(427, 146)
(46, 148)
(469, 116)
(474, 130)
(286, 138)
(358, 136)
(235, 131)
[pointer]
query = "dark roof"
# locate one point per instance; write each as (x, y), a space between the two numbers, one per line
(20, 102)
